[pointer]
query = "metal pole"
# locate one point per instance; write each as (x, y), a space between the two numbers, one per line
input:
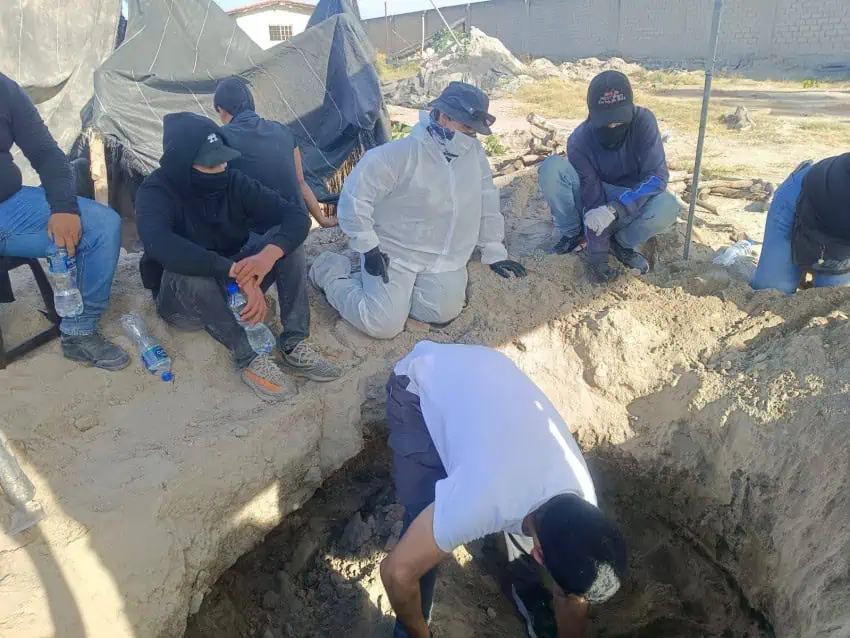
(387, 26)
(422, 47)
(706, 97)
(440, 13)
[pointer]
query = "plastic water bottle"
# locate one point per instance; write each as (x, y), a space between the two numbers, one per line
(63, 276)
(152, 354)
(728, 255)
(259, 336)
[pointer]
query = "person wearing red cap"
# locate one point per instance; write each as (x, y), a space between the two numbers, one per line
(611, 187)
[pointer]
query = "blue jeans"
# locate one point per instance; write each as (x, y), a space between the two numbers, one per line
(560, 185)
(776, 268)
(23, 233)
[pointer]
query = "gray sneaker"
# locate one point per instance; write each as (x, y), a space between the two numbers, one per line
(267, 380)
(305, 361)
(96, 350)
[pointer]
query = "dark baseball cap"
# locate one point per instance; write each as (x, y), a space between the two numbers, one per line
(610, 99)
(466, 104)
(234, 96)
(214, 152)
(583, 550)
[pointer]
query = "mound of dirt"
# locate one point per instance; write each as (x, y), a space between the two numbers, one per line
(479, 60)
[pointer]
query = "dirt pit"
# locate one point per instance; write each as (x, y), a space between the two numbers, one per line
(317, 575)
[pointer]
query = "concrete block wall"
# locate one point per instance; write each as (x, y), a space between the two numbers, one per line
(668, 29)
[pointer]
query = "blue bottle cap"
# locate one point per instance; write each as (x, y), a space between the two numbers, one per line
(167, 376)
(232, 289)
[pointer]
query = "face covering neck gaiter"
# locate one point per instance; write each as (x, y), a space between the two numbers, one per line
(209, 185)
(611, 138)
(452, 144)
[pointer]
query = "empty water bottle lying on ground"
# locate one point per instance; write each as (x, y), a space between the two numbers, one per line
(259, 336)
(63, 277)
(151, 352)
(739, 257)
(18, 491)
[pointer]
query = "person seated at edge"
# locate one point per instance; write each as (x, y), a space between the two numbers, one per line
(194, 217)
(478, 449)
(808, 228)
(415, 209)
(269, 155)
(31, 219)
(614, 182)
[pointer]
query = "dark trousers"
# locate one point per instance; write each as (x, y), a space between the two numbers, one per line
(416, 469)
(192, 303)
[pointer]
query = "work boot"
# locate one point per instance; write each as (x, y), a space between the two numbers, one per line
(305, 361)
(569, 244)
(628, 257)
(600, 271)
(96, 350)
(267, 380)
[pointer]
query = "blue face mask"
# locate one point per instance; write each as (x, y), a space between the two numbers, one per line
(437, 130)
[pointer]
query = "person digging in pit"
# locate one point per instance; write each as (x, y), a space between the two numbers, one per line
(415, 209)
(808, 228)
(195, 217)
(478, 449)
(612, 189)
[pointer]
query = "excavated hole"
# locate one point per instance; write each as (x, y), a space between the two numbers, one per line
(316, 575)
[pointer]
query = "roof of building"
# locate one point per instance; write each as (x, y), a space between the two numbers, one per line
(265, 5)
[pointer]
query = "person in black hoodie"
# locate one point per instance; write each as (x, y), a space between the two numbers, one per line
(808, 228)
(194, 217)
(32, 220)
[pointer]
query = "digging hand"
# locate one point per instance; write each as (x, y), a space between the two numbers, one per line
(600, 218)
(375, 262)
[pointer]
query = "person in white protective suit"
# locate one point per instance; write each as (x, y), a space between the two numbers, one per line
(415, 209)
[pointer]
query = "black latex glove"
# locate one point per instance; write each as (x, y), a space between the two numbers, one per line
(375, 262)
(505, 267)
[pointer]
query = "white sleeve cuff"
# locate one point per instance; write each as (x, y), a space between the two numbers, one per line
(493, 252)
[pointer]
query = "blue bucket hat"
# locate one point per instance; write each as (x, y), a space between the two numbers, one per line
(466, 104)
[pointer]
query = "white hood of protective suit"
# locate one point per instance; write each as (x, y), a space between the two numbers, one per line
(425, 212)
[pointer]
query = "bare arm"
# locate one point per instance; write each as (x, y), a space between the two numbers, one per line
(415, 555)
(570, 614)
(313, 205)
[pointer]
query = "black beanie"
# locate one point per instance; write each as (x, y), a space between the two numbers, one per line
(581, 546)
(234, 96)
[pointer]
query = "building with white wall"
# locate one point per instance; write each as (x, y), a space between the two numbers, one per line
(273, 21)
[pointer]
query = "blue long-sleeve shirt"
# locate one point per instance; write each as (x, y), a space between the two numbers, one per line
(639, 164)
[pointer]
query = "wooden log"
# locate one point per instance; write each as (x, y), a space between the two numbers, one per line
(711, 208)
(541, 122)
(736, 193)
(539, 134)
(538, 148)
(530, 160)
(97, 159)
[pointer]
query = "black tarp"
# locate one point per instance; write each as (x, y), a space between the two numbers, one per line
(321, 82)
(51, 48)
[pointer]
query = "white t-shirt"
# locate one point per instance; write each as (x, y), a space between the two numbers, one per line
(505, 448)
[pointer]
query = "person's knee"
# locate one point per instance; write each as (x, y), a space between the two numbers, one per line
(449, 308)
(667, 210)
(191, 286)
(100, 221)
(384, 326)
(556, 173)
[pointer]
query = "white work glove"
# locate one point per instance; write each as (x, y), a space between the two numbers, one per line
(600, 218)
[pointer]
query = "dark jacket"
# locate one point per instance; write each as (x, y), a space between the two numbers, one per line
(268, 153)
(639, 164)
(21, 124)
(191, 235)
(822, 220)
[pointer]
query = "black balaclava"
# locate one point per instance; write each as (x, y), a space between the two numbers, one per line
(612, 138)
(209, 185)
